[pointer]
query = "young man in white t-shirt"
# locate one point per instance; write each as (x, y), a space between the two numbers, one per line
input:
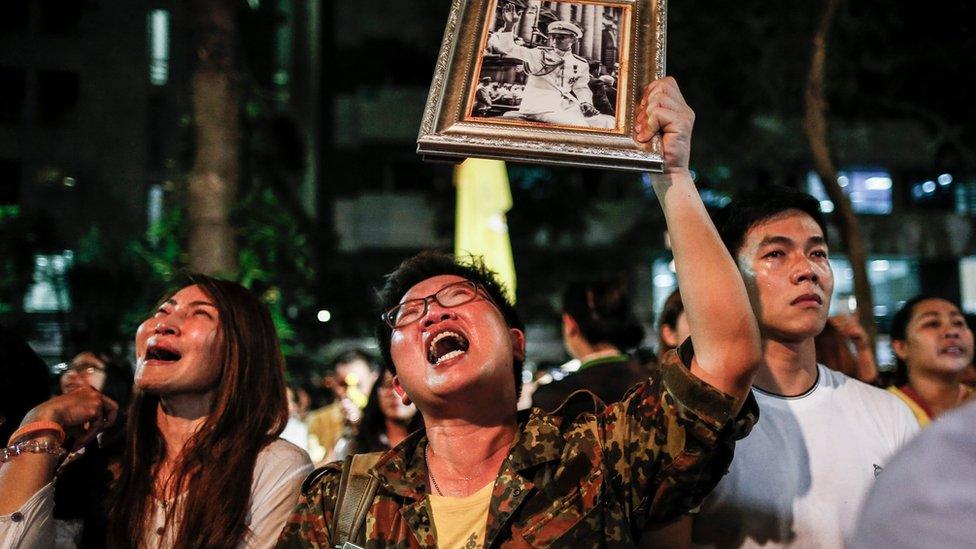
(822, 438)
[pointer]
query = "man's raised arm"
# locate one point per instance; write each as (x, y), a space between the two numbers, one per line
(723, 327)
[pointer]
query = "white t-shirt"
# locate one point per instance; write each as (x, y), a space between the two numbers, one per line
(279, 471)
(799, 478)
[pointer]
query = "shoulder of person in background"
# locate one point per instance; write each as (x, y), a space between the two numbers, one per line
(926, 495)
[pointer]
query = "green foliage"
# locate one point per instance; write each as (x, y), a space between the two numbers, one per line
(273, 259)
(163, 249)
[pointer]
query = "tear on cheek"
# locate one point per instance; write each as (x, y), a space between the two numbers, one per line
(485, 369)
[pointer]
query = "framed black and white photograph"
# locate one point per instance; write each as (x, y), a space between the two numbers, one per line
(545, 81)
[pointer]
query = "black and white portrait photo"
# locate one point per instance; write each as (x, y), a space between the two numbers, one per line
(551, 63)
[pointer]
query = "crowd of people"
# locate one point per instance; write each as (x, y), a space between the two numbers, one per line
(758, 424)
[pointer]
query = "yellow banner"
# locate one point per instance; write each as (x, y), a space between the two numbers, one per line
(483, 198)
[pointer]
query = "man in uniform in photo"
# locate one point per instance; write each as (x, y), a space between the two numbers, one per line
(557, 89)
(482, 97)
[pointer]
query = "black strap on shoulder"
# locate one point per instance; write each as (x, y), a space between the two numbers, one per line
(357, 487)
(313, 478)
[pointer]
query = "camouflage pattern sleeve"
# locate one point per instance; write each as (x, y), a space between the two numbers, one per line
(310, 522)
(670, 440)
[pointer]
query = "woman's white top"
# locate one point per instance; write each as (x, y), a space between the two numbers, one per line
(278, 474)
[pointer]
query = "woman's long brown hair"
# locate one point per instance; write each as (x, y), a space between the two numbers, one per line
(216, 465)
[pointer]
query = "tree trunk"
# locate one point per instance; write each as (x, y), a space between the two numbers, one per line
(213, 180)
(815, 127)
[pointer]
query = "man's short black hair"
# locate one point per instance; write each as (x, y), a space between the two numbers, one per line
(746, 210)
(429, 264)
(602, 309)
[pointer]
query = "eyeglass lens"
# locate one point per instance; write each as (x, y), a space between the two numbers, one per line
(451, 295)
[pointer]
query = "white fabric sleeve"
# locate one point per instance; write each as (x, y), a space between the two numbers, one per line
(505, 43)
(582, 90)
(278, 476)
(32, 525)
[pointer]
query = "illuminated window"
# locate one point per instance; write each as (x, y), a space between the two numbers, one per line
(967, 283)
(934, 192)
(664, 281)
(158, 30)
(965, 192)
(869, 190)
(49, 291)
(893, 281)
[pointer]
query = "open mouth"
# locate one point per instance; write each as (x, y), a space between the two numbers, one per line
(952, 351)
(445, 346)
(162, 354)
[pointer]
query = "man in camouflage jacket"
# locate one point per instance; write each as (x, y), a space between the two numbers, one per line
(590, 483)
(596, 481)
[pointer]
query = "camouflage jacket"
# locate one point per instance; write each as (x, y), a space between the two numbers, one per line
(593, 482)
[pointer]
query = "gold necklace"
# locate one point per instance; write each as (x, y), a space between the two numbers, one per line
(431, 471)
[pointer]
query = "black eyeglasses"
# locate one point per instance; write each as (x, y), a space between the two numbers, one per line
(452, 295)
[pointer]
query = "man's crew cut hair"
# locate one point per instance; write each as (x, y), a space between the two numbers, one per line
(746, 210)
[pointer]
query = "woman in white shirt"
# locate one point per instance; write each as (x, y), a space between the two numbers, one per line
(203, 466)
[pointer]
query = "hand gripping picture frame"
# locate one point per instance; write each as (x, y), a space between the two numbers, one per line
(552, 82)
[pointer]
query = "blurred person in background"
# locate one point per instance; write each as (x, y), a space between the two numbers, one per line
(296, 431)
(203, 465)
(598, 87)
(834, 349)
(933, 347)
(482, 97)
(598, 328)
(927, 494)
(85, 479)
(386, 422)
(672, 325)
(350, 380)
(24, 381)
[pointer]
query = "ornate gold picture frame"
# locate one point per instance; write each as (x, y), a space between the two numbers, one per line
(547, 82)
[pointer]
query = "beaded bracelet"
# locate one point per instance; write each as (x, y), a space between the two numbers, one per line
(36, 427)
(32, 446)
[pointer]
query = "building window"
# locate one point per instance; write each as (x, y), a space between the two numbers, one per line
(933, 192)
(57, 97)
(49, 291)
(869, 190)
(967, 283)
(158, 31)
(965, 196)
(13, 89)
(893, 280)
